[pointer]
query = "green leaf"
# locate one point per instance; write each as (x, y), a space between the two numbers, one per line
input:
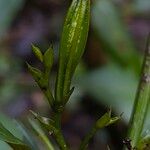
(36, 73)
(52, 127)
(4, 146)
(13, 141)
(48, 59)
(72, 44)
(37, 52)
(68, 95)
(27, 136)
(42, 82)
(113, 120)
(103, 121)
(10, 125)
(106, 120)
(45, 122)
(39, 131)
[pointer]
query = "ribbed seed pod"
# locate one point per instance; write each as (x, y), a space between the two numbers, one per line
(73, 41)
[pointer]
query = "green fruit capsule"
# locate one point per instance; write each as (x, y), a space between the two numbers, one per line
(73, 41)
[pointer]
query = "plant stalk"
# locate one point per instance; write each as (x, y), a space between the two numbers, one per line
(58, 132)
(141, 101)
(88, 137)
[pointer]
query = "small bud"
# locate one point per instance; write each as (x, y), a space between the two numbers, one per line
(36, 73)
(42, 119)
(37, 52)
(45, 122)
(106, 120)
(103, 121)
(48, 58)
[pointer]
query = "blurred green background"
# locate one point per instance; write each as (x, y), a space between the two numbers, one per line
(106, 77)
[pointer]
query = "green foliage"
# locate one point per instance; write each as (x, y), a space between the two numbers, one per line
(120, 92)
(41, 134)
(72, 46)
(106, 120)
(13, 141)
(45, 122)
(16, 129)
(26, 135)
(42, 78)
(73, 40)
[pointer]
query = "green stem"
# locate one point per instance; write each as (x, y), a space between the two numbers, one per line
(141, 101)
(58, 132)
(47, 143)
(48, 95)
(47, 90)
(88, 137)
